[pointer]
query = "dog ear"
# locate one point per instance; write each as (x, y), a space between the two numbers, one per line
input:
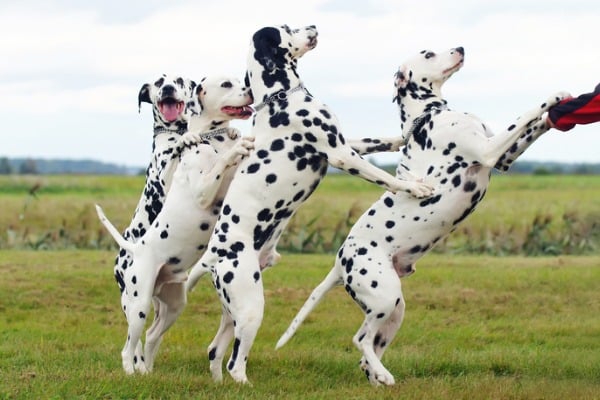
(400, 82)
(199, 95)
(266, 43)
(144, 96)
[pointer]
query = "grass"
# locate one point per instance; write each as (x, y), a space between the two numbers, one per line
(475, 328)
(521, 214)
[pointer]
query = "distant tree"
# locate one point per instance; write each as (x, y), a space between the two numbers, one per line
(28, 167)
(5, 167)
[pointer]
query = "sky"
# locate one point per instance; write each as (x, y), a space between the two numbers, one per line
(71, 70)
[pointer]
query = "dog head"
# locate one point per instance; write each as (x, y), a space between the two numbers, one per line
(422, 76)
(277, 48)
(219, 100)
(223, 99)
(171, 99)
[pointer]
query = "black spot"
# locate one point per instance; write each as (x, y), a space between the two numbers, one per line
(228, 277)
(252, 168)
(277, 145)
(271, 178)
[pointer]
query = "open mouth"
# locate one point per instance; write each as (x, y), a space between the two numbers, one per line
(171, 108)
(241, 112)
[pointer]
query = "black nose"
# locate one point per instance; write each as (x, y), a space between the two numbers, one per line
(460, 50)
(168, 90)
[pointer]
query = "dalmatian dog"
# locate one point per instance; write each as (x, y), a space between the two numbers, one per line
(296, 138)
(455, 153)
(178, 235)
(172, 100)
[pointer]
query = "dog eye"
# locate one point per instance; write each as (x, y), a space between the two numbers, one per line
(226, 84)
(429, 54)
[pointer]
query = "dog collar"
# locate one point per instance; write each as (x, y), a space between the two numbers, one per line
(179, 131)
(213, 133)
(420, 120)
(281, 95)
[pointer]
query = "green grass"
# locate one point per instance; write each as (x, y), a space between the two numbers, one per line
(521, 214)
(475, 328)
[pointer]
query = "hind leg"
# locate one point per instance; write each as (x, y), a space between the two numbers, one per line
(241, 293)
(385, 335)
(171, 302)
(136, 319)
(217, 348)
(382, 303)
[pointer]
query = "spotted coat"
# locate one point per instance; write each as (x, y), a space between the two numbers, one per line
(297, 138)
(454, 152)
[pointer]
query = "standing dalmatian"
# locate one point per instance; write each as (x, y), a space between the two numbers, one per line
(172, 105)
(296, 138)
(206, 158)
(454, 152)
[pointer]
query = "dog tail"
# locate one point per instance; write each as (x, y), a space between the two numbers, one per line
(331, 280)
(113, 231)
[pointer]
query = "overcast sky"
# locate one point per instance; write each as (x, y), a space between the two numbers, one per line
(71, 70)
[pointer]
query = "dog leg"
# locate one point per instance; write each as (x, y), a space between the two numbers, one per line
(370, 363)
(499, 144)
(207, 187)
(136, 319)
(219, 345)
(375, 145)
(241, 292)
(352, 163)
(385, 335)
(532, 133)
(172, 301)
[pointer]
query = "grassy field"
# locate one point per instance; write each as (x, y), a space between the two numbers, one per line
(475, 328)
(521, 214)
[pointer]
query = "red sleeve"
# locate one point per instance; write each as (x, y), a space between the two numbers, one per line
(584, 109)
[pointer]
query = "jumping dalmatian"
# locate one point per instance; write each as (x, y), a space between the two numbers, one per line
(296, 138)
(178, 235)
(455, 153)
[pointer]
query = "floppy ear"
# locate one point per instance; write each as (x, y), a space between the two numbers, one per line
(266, 43)
(199, 95)
(144, 96)
(400, 82)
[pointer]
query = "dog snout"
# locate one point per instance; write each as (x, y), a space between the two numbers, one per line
(168, 91)
(460, 50)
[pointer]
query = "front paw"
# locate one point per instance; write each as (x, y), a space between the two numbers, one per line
(233, 133)
(396, 143)
(421, 190)
(189, 138)
(557, 98)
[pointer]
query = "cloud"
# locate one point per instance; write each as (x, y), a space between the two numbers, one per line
(69, 57)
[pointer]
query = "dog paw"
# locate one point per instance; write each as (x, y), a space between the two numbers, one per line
(244, 146)
(421, 190)
(557, 98)
(233, 133)
(189, 138)
(396, 143)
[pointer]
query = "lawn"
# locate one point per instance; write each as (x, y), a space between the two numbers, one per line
(476, 327)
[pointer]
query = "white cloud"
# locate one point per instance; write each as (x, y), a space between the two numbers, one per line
(65, 57)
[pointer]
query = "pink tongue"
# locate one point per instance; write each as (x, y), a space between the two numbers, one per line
(170, 111)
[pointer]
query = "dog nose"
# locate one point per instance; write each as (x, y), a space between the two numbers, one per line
(168, 90)
(460, 50)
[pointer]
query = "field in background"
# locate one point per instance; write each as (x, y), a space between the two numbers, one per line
(521, 214)
(475, 328)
